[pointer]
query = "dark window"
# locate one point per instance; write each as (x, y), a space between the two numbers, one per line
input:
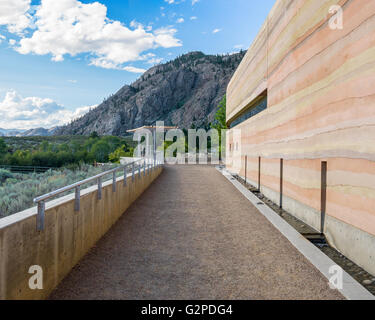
(251, 112)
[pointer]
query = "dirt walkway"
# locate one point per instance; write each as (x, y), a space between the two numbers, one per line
(192, 235)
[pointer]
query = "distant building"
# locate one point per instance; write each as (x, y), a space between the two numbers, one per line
(305, 93)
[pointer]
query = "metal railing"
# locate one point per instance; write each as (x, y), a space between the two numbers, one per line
(27, 169)
(41, 200)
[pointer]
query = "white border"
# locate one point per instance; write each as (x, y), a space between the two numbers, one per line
(351, 290)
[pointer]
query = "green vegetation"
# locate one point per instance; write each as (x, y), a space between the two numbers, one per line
(58, 152)
(115, 156)
(182, 144)
(220, 116)
(33, 142)
(220, 122)
(70, 157)
(4, 175)
(17, 191)
(196, 58)
(3, 147)
(73, 155)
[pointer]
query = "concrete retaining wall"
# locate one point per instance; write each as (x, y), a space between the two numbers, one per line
(67, 237)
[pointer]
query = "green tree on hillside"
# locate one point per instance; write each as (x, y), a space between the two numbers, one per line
(4, 174)
(220, 116)
(71, 153)
(220, 122)
(122, 151)
(94, 135)
(45, 146)
(3, 147)
(100, 151)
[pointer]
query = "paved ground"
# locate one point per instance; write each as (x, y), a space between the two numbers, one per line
(192, 235)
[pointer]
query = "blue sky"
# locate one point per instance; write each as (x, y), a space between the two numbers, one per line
(57, 58)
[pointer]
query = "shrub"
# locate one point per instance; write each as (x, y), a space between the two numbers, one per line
(17, 193)
(4, 175)
(45, 152)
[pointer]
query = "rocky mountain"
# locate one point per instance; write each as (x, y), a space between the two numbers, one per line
(38, 132)
(27, 133)
(182, 92)
(10, 132)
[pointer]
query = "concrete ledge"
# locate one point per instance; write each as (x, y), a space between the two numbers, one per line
(67, 237)
(351, 290)
(304, 213)
(354, 243)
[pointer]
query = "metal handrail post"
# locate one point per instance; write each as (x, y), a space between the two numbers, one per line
(99, 188)
(77, 198)
(125, 175)
(40, 201)
(40, 216)
(114, 181)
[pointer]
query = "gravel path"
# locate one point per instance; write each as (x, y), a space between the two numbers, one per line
(192, 235)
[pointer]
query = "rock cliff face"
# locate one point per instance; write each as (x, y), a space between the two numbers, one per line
(182, 92)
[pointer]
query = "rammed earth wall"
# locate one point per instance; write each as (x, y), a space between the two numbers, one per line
(320, 84)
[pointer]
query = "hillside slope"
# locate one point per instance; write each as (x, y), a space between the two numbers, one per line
(182, 92)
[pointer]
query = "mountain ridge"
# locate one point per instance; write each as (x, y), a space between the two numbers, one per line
(184, 92)
(27, 132)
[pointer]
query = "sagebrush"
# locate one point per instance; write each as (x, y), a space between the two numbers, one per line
(17, 191)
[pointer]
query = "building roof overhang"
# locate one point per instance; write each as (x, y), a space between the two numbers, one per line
(152, 128)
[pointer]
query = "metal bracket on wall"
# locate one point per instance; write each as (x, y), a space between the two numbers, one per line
(259, 166)
(323, 196)
(281, 182)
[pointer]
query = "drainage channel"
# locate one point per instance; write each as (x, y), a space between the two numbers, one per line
(318, 239)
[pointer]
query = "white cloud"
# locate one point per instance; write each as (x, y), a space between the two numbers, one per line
(238, 46)
(79, 112)
(107, 64)
(193, 2)
(70, 27)
(155, 60)
(32, 112)
(193, 18)
(72, 81)
(13, 14)
(137, 25)
(2, 38)
(216, 31)
(148, 56)
(164, 38)
(180, 20)
(134, 69)
(173, 2)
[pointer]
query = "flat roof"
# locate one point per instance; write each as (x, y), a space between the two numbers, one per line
(152, 127)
